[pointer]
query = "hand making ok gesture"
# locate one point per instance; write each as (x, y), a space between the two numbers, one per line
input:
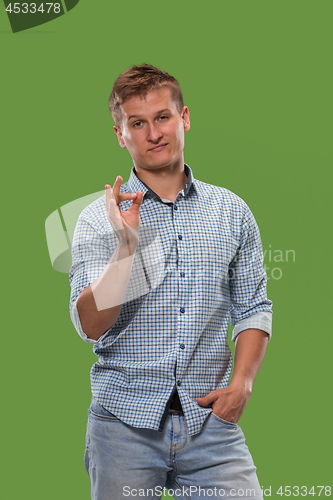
(125, 223)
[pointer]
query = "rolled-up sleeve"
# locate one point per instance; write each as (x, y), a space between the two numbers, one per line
(250, 307)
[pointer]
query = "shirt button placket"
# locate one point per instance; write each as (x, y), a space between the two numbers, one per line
(181, 246)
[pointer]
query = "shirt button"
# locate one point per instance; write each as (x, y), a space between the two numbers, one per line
(182, 346)
(180, 236)
(175, 207)
(179, 382)
(182, 310)
(182, 275)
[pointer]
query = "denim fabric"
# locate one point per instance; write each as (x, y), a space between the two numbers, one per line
(128, 462)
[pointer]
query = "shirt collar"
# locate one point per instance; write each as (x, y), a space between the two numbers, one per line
(135, 184)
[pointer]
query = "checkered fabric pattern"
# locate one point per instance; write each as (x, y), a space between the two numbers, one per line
(199, 263)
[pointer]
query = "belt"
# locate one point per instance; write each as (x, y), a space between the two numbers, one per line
(175, 405)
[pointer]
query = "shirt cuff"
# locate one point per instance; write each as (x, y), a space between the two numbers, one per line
(77, 323)
(258, 321)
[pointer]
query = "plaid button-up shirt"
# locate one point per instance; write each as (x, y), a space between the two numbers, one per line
(199, 263)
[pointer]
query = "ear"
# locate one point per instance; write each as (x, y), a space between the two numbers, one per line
(118, 133)
(186, 118)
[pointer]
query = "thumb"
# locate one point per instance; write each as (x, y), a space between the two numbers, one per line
(136, 203)
(208, 399)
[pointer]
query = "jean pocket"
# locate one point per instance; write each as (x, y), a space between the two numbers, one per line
(225, 422)
(97, 410)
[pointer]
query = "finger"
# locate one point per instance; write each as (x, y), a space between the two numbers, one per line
(108, 195)
(116, 188)
(126, 196)
(208, 399)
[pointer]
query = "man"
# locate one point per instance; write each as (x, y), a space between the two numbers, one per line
(159, 266)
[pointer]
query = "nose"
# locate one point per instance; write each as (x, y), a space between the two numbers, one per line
(154, 134)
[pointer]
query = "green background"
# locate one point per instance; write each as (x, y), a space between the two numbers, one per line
(257, 77)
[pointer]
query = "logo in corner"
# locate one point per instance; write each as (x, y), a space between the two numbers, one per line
(25, 15)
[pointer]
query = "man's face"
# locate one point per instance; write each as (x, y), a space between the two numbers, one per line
(152, 130)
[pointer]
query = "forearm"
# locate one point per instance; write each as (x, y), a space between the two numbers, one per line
(99, 304)
(250, 350)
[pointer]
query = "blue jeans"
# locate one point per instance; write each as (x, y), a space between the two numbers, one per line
(127, 462)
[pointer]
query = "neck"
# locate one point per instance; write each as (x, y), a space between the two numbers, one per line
(166, 182)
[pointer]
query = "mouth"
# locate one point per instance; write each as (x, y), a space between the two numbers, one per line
(157, 148)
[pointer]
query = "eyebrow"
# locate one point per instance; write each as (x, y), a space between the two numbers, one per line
(139, 116)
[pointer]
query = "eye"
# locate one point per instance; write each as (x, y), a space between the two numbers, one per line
(137, 124)
(163, 117)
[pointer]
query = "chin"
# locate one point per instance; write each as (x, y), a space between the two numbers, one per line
(159, 163)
